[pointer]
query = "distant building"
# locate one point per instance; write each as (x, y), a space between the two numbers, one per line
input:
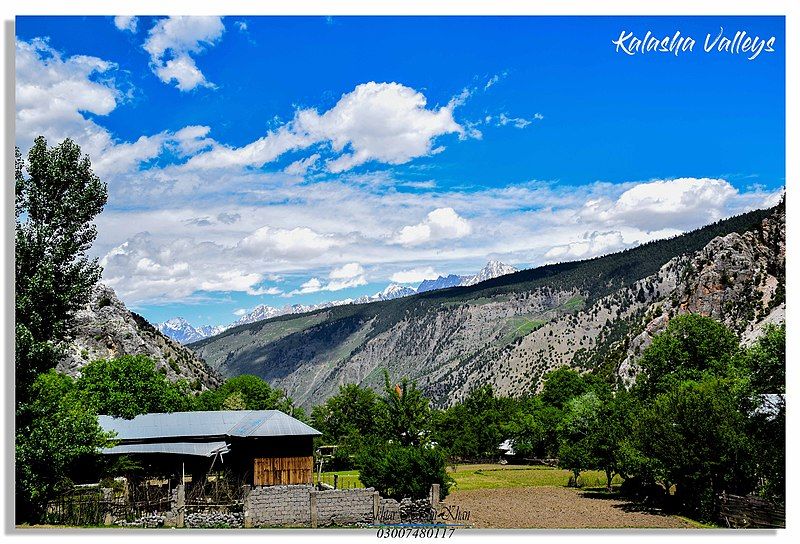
(261, 447)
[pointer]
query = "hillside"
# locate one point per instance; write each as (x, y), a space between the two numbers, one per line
(105, 328)
(510, 330)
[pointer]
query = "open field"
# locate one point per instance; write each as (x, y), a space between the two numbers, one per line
(546, 507)
(517, 496)
(492, 476)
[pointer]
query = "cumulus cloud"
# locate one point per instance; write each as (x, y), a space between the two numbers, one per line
(665, 203)
(440, 224)
(172, 42)
(385, 122)
(126, 23)
(53, 95)
(296, 243)
(343, 277)
(415, 275)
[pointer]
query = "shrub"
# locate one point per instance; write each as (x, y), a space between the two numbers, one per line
(404, 471)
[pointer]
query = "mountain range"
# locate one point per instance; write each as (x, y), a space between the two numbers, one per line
(595, 315)
(184, 332)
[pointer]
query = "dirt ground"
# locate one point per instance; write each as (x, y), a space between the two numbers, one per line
(555, 508)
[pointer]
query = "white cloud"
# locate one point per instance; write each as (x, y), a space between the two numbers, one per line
(591, 244)
(414, 275)
(440, 224)
(53, 95)
(347, 271)
(344, 277)
(239, 312)
(189, 140)
(296, 243)
(173, 40)
(126, 23)
(385, 122)
(301, 166)
(665, 203)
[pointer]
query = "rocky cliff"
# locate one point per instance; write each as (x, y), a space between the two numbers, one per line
(105, 328)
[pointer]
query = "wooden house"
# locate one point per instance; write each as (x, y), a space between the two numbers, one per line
(260, 447)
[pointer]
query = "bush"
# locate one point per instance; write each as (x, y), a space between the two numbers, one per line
(404, 471)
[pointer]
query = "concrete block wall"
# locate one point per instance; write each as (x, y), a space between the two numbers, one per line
(267, 506)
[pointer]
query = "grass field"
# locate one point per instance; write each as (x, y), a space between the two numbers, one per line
(490, 476)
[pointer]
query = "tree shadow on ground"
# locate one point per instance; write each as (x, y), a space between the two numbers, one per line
(626, 503)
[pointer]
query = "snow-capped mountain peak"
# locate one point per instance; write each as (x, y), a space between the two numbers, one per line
(179, 329)
(493, 269)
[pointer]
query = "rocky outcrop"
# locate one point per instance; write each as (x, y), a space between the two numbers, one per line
(105, 329)
(738, 279)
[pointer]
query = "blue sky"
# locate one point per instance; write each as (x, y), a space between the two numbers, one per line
(269, 160)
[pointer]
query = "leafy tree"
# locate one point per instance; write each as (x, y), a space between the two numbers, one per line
(353, 411)
(473, 428)
(697, 437)
(55, 204)
(56, 198)
(690, 345)
(247, 392)
(608, 436)
(63, 430)
(533, 428)
(766, 360)
(562, 385)
(347, 419)
(575, 433)
(130, 385)
(400, 471)
(404, 412)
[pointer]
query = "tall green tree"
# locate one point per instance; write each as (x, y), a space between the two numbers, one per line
(57, 196)
(575, 433)
(404, 412)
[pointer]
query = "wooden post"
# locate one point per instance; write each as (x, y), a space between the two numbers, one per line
(180, 505)
(435, 497)
(247, 507)
(312, 500)
(336, 481)
(376, 506)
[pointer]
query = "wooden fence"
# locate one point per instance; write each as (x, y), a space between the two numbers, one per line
(750, 512)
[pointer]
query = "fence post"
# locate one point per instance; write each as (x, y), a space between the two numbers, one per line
(312, 500)
(246, 507)
(336, 481)
(180, 506)
(376, 506)
(435, 496)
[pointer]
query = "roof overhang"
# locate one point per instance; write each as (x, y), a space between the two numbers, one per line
(199, 449)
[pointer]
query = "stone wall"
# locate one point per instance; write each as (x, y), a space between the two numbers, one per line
(343, 506)
(279, 505)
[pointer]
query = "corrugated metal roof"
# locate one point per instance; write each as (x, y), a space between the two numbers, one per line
(235, 423)
(202, 449)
